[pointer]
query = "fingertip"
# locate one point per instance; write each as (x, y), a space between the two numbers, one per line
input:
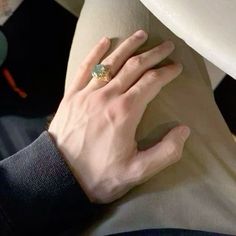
(105, 40)
(179, 66)
(141, 34)
(184, 132)
(170, 44)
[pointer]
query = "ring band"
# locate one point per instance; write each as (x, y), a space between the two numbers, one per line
(102, 73)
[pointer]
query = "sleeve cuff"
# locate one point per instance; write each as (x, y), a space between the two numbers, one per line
(39, 192)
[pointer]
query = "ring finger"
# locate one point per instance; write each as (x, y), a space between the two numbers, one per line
(137, 65)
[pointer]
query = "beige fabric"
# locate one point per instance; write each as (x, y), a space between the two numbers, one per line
(74, 6)
(197, 193)
(7, 8)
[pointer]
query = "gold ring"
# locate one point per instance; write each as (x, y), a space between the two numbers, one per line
(102, 73)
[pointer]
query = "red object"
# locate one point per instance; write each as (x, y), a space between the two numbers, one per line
(11, 82)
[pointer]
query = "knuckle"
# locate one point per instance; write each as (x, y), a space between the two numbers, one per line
(135, 61)
(110, 61)
(123, 105)
(117, 85)
(95, 101)
(99, 97)
(117, 111)
(153, 74)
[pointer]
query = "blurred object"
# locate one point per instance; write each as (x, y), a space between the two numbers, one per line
(11, 82)
(38, 51)
(225, 96)
(3, 48)
(206, 26)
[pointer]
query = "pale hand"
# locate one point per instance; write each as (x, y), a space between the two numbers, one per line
(95, 125)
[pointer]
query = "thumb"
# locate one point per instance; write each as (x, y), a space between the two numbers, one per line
(151, 161)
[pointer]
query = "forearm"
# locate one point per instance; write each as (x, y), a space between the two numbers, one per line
(38, 192)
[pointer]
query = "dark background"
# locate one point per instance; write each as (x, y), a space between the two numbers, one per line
(39, 35)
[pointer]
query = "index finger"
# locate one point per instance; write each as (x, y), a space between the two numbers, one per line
(84, 71)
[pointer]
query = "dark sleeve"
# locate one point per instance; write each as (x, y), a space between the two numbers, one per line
(38, 194)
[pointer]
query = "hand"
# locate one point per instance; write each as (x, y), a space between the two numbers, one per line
(95, 125)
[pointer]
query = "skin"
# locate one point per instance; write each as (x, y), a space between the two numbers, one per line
(95, 125)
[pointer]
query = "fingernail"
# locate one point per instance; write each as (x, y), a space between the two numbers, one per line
(140, 34)
(179, 65)
(104, 40)
(185, 132)
(169, 44)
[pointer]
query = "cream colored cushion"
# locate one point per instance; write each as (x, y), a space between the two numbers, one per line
(208, 26)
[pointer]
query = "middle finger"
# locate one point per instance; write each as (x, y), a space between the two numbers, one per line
(134, 68)
(126, 49)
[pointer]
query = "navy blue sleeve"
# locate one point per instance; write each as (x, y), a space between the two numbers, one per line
(38, 193)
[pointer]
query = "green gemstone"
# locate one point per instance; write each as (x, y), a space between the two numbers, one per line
(98, 70)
